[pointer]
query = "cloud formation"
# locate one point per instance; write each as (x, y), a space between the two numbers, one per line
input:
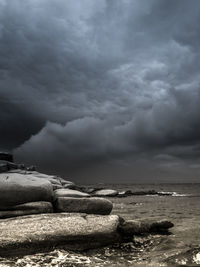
(108, 88)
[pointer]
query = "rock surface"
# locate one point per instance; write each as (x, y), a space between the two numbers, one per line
(17, 189)
(106, 193)
(26, 234)
(132, 227)
(27, 209)
(84, 205)
(69, 193)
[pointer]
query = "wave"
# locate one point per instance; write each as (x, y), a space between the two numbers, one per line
(173, 194)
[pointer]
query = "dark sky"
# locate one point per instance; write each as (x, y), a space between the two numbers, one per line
(105, 90)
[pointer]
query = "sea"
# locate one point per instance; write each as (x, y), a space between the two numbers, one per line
(180, 204)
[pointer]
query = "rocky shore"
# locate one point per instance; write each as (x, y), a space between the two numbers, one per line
(40, 212)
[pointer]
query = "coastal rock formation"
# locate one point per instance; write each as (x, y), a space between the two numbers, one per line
(84, 205)
(69, 193)
(26, 209)
(106, 193)
(32, 233)
(74, 231)
(17, 189)
(60, 211)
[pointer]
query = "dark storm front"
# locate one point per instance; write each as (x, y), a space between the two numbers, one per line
(95, 92)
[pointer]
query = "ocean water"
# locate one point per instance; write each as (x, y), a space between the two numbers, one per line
(180, 248)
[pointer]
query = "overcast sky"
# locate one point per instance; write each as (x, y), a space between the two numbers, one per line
(104, 90)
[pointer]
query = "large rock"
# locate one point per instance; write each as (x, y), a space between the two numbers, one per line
(17, 189)
(26, 209)
(133, 227)
(106, 193)
(51, 178)
(84, 205)
(54, 180)
(27, 234)
(69, 193)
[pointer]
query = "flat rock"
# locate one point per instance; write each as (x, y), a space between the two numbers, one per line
(27, 209)
(17, 189)
(28, 234)
(84, 205)
(66, 192)
(51, 178)
(106, 193)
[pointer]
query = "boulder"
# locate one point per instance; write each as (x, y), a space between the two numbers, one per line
(28, 234)
(31, 168)
(55, 186)
(65, 182)
(51, 178)
(160, 226)
(69, 193)
(143, 193)
(70, 186)
(133, 227)
(84, 205)
(88, 190)
(26, 209)
(18, 188)
(125, 193)
(106, 193)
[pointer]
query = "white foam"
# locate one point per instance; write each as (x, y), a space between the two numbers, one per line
(196, 258)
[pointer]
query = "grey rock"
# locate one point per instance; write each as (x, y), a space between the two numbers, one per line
(84, 205)
(65, 182)
(143, 193)
(56, 186)
(106, 193)
(69, 193)
(89, 190)
(125, 193)
(28, 234)
(18, 188)
(133, 227)
(51, 178)
(160, 226)
(70, 186)
(31, 168)
(27, 209)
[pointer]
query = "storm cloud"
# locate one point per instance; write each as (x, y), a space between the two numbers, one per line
(102, 90)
